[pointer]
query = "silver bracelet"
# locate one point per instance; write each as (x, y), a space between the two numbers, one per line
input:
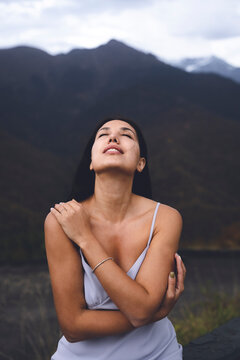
(101, 262)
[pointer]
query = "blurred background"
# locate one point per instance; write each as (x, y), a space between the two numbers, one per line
(171, 66)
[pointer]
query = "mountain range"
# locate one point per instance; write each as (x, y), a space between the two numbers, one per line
(50, 104)
(210, 64)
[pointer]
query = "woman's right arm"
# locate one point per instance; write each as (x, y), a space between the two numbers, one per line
(76, 321)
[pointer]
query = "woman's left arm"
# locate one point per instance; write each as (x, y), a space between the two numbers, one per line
(137, 299)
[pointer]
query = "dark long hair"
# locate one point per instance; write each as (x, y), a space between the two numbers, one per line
(84, 179)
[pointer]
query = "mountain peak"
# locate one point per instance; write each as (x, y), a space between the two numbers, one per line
(25, 50)
(210, 64)
(129, 52)
(114, 42)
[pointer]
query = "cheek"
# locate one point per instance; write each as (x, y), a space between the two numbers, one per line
(134, 152)
(94, 150)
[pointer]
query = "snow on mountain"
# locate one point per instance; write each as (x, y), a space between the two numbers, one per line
(210, 64)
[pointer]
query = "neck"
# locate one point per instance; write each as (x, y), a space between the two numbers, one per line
(112, 196)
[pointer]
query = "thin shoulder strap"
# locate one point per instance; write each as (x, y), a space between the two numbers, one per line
(153, 223)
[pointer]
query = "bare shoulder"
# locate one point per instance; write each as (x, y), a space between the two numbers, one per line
(144, 204)
(51, 223)
(50, 220)
(164, 211)
(168, 213)
(168, 227)
(60, 250)
(54, 234)
(167, 218)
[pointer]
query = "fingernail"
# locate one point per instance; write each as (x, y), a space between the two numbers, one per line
(179, 256)
(172, 275)
(51, 209)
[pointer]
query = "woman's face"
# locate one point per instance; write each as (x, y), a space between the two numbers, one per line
(126, 156)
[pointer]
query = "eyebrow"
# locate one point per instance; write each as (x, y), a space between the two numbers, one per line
(122, 128)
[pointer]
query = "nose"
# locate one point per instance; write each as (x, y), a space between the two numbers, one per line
(113, 138)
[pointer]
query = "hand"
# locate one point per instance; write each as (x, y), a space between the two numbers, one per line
(174, 290)
(73, 219)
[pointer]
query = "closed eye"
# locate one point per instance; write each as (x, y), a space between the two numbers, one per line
(122, 135)
(127, 136)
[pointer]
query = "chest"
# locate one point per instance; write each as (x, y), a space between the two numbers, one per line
(126, 242)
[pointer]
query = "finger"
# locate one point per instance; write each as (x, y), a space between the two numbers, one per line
(60, 208)
(74, 204)
(62, 204)
(170, 295)
(180, 274)
(184, 269)
(179, 264)
(56, 214)
(67, 207)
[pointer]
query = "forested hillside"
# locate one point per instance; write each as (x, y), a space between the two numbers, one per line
(50, 104)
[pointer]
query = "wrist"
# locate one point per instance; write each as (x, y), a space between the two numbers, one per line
(93, 251)
(85, 241)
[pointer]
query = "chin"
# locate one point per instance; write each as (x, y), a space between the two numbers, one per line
(114, 168)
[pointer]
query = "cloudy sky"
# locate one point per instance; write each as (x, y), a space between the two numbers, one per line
(170, 29)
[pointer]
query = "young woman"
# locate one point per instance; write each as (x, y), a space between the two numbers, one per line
(111, 252)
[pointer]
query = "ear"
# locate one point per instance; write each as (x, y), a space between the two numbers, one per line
(141, 164)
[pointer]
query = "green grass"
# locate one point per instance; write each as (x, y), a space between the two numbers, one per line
(200, 317)
(28, 324)
(29, 328)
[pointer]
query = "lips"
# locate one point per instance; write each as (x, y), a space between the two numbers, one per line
(113, 147)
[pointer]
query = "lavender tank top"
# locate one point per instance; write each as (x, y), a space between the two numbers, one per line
(156, 341)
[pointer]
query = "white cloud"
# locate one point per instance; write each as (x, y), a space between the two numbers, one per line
(169, 29)
(210, 19)
(228, 49)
